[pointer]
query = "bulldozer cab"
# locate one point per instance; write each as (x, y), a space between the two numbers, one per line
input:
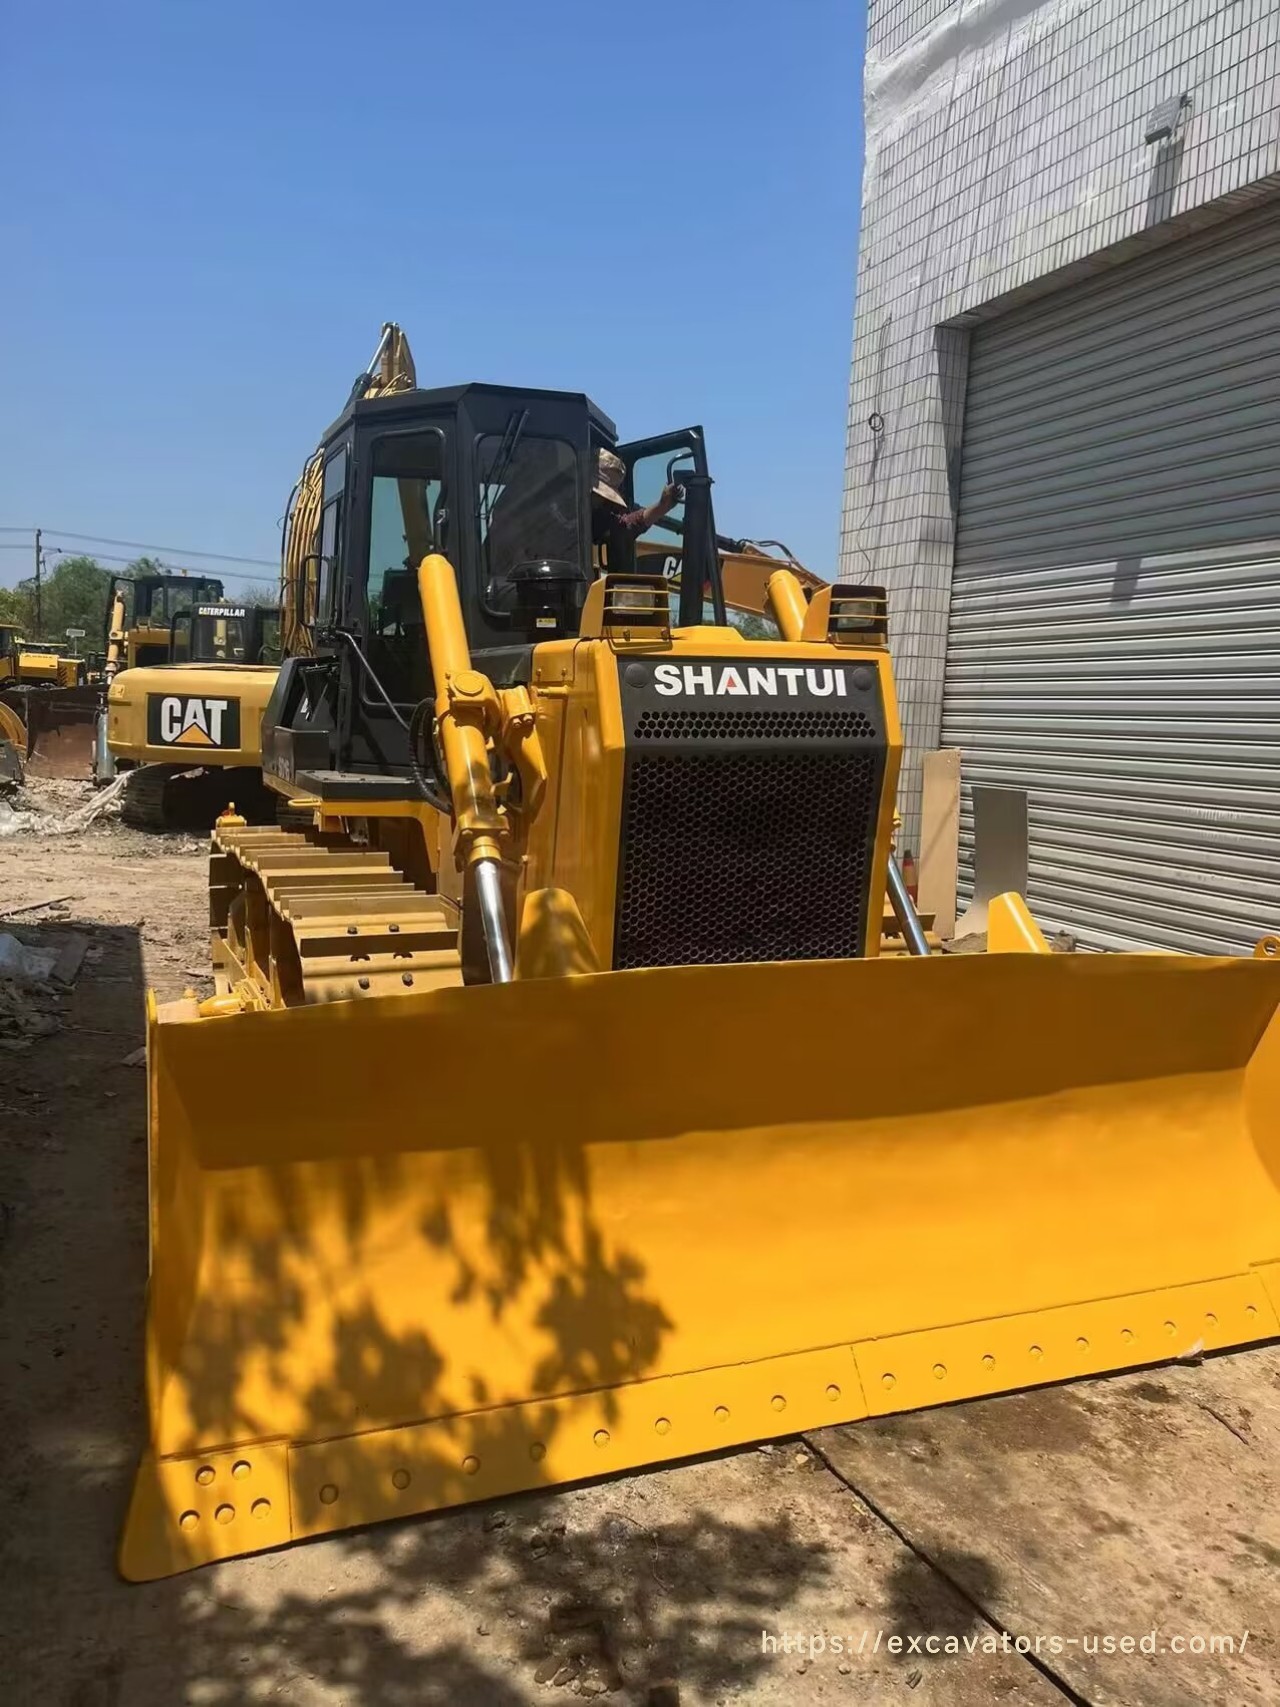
(10, 646)
(500, 481)
(151, 603)
(225, 634)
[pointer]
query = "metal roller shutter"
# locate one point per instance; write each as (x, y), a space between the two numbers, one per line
(1114, 639)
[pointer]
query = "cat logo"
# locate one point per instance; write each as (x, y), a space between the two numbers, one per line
(192, 721)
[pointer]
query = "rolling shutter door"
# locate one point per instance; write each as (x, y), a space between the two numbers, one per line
(1114, 637)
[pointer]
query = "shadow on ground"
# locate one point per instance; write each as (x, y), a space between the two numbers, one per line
(601, 1589)
(476, 1607)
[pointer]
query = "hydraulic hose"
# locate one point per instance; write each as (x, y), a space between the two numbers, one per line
(431, 785)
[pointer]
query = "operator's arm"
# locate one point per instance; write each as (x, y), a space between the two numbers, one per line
(637, 521)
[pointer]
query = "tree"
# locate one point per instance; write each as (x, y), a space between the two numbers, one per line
(73, 596)
(752, 626)
(16, 608)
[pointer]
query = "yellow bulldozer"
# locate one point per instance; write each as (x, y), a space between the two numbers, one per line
(46, 707)
(187, 730)
(36, 663)
(141, 613)
(580, 1123)
(13, 746)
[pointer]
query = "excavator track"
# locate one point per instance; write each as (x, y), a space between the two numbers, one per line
(165, 797)
(299, 917)
(142, 804)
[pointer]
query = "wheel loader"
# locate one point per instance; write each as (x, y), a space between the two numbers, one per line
(188, 729)
(579, 1123)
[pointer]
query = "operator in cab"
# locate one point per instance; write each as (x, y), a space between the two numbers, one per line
(613, 521)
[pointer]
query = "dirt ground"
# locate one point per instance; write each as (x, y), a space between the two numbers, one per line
(1145, 1506)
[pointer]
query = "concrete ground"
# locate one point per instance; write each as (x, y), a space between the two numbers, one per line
(930, 1547)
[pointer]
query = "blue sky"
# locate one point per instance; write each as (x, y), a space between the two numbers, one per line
(215, 207)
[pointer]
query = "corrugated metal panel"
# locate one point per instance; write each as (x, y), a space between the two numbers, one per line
(1114, 642)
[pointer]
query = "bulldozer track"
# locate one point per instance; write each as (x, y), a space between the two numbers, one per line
(299, 917)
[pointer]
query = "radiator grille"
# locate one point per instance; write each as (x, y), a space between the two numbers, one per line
(740, 856)
(759, 723)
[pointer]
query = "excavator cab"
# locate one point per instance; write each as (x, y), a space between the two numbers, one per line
(225, 634)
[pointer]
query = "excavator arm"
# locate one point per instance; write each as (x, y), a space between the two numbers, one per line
(746, 566)
(391, 370)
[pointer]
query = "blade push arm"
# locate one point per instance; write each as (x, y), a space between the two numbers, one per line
(468, 710)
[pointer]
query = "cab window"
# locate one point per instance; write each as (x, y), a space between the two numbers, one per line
(335, 480)
(269, 638)
(221, 637)
(407, 521)
(659, 550)
(526, 509)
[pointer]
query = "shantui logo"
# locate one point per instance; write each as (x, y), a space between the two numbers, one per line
(773, 681)
(191, 722)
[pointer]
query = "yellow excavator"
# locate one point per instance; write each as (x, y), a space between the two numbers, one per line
(61, 703)
(309, 511)
(580, 1123)
(187, 730)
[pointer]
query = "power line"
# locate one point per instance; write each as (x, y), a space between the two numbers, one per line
(137, 545)
(172, 568)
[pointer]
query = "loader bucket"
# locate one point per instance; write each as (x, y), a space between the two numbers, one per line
(435, 1248)
(60, 732)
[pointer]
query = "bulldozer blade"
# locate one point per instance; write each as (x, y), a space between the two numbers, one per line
(10, 764)
(60, 732)
(445, 1246)
(13, 745)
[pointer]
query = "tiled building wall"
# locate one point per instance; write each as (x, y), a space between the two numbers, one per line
(1005, 154)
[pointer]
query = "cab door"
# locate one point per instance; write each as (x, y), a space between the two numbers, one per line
(677, 458)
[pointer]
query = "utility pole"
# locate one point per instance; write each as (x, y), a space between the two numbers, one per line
(39, 602)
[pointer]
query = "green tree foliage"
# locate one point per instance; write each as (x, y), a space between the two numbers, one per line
(73, 595)
(752, 626)
(15, 608)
